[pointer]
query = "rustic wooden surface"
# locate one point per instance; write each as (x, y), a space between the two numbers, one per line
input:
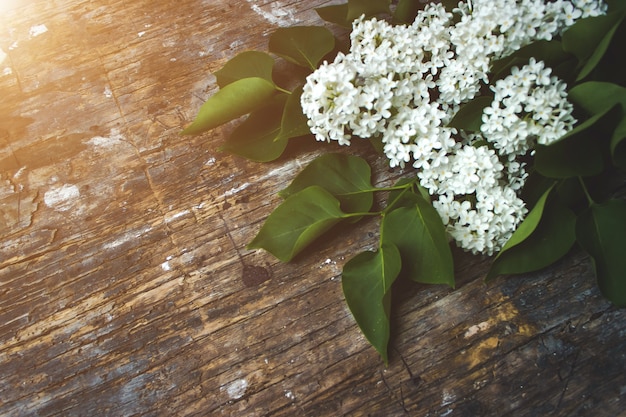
(126, 288)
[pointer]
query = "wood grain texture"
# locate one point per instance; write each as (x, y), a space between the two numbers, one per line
(126, 288)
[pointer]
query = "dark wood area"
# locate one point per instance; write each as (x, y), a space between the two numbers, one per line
(126, 288)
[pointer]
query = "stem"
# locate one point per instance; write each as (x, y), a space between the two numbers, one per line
(282, 90)
(392, 203)
(369, 213)
(397, 187)
(584, 187)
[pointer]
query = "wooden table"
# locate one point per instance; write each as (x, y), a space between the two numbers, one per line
(126, 288)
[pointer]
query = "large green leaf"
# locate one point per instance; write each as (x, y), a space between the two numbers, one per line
(346, 177)
(450, 5)
(530, 223)
(469, 116)
(297, 222)
(419, 234)
(599, 52)
(234, 100)
(553, 237)
(588, 39)
(406, 11)
(258, 137)
(616, 5)
(535, 186)
(618, 144)
(344, 14)
(302, 45)
(408, 196)
(337, 14)
(366, 282)
(294, 123)
(578, 155)
(596, 97)
(550, 52)
(247, 64)
(601, 231)
(356, 8)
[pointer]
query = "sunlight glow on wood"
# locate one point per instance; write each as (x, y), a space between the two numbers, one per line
(6, 5)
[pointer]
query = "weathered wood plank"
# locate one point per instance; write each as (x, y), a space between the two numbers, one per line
(126, 288)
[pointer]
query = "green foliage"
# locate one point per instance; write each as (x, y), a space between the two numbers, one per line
(298, 222)
(366, 283)
(346, 177)
(344, 14)
(544, 237)
(406, 11)
(419, 234)
(259, 137)
(550, 52)
(293, 122)
(469, 116)
(596, 97)
(302, 45)
(337, 14)
(247, 64)
(578, 155)
(590, 38)
(601, 231)
(336, 187)
(234, 100)
(618, 144)
(593, 149)
(604, 102)
(368, 8)
(247, 88)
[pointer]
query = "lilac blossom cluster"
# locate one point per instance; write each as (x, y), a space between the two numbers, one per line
(403, 84)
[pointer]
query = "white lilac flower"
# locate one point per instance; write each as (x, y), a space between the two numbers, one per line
(486, 225)
(529, 105)
(404, 83)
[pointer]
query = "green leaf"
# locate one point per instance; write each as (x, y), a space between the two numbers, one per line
(530, 223)
(596, 97)
(346, 177)
(616, 5)
(297, 222)
(294, 123)
(366, 282)
(450, 5)
(258, 137)
(377, 144)
(369, 8)
(247, 64)
(337, 14)
(302, 45)
(599, 99)
(599, 52)
(578, 155)
(589, 38)
(618, 144)
(419, 234)
(601, 231)
(407, 197)
(604, 120)
(550, 52)
(553, 237)
(534, 187)
(344, 14)
(234, 100)
(469, 116)
(406, 11)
